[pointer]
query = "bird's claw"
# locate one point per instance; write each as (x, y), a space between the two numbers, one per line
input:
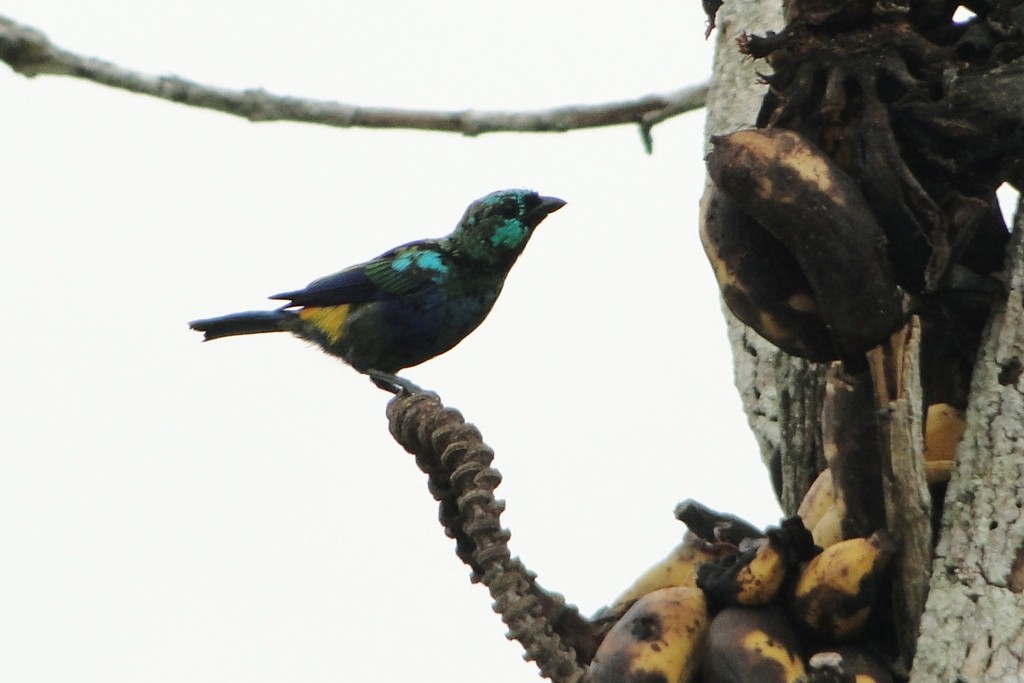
(393, 383)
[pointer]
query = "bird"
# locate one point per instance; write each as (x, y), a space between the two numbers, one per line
(411, 303)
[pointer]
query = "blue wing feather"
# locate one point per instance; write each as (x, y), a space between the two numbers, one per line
(347, 287)
(398, 272)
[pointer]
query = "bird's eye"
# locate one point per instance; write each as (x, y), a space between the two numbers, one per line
(508, 210)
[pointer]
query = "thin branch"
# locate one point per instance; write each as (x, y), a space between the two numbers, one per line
(29, 52)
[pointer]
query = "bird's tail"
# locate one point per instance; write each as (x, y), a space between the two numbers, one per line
(249, 322)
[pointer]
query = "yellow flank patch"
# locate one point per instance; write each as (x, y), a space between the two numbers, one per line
(327, 319)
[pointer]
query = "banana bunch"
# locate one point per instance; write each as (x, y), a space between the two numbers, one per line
(797, 252)
(745, 610)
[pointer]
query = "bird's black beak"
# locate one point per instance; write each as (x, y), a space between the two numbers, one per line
(547, 205)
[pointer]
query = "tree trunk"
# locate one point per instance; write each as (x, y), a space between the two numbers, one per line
(973, 626)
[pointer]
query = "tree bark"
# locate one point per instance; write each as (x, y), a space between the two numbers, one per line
(973, 626)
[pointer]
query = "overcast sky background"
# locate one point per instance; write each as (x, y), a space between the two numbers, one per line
(237, 511)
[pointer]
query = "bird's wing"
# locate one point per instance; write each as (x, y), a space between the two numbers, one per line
(398, 272)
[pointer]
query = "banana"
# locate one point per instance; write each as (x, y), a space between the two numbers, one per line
(660, 639)
(755, 575)
(817, 211)
(712, 525)
(761, 283)
(752, 645)
(938, 471)
(678, 568)
(822, 512)
(834, 593)
(943, 428)
(829, 529)
(751, 578)
(817, 500)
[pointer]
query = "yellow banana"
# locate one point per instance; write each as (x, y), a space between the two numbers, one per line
(678, 568)
(752, 645)
(818, 212)
(818, 499)
(937, 471)
(943, 429)
(835, 591)
(756, 574)
(751, 578)
(660, 639)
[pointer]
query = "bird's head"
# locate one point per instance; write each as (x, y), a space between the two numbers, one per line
(496, 228)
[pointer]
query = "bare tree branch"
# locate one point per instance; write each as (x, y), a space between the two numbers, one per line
(29, 52)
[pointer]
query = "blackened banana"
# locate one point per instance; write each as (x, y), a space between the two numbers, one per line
(818, 212)
(752, 645)
(850, 441)
(761, 282)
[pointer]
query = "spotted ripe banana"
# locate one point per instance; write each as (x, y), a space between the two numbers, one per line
(751, 578)
(660, 639)
(814, 208)
(678, 568)
(833, 596)
(752, 645)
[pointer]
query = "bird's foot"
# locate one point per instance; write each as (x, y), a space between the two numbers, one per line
(393, 383)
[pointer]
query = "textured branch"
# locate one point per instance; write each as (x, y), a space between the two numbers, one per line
(29, 52)
(457, 462)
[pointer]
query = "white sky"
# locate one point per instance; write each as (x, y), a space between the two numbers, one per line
(237, 511)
